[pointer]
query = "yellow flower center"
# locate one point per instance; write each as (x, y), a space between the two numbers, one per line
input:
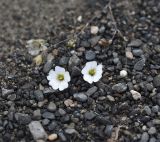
(92, 72)
(60, 77)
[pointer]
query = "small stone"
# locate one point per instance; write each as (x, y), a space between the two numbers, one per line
(144, 137)
(37, 114)
(75, 71)
(39, 95)
(37, 131)
(147, 110)
(129, 55)
(152, 139)
(136, 95)
(69, 103)
(110, 98)
(80, 97)
(90, 55)
(137, 52)
(94, 40)
(70, 131)
(6, 92)
(79, 19)
(123, 73)
(52, 137)
(48, 115)
(89, 115)
(157, 48)
(152, 131)
(139, 65)
(22, 119)
(74, 61)
(155, 109)
(135, 43)
(91, 91)
(94, 30)
(52, 107)
(47, 66)
(156, 121)
(64, 61)
(38, 60)
(62, 136)
(61, 111)
(120, 87)
(108, 130)
(156, 81)
(11, 97)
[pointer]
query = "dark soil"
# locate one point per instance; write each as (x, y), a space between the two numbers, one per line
(107, 111)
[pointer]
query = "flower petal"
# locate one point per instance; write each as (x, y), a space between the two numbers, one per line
(59, 69)
(54, 84)
(97, 77)
(51, 75)
(85, 70)
(99, 69)
(91, 64)
(88, 78)
(67, 76)
(63, 85)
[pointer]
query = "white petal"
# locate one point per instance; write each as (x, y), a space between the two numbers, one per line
(85, 70)
(91, 64)
(51, 75)
(63, 85)
(59, 69)
(54, 84)
(97, 77)
(67, 76)
(99, 69)
(88, 78)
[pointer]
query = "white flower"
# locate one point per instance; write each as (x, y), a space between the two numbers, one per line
(92, 72)
(59, 78)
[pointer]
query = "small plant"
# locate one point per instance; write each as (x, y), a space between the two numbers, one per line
(71, 43)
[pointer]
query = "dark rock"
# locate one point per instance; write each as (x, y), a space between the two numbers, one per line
(156, 81)
(70, 131)
(144, 137)
(48, 115)
(157, 48)
(39, 95)
(91, 91)
(85, 43)
(45, 122)
(80, 97)
(62, 136)
(74, 61)
(135, 43)
(155, 109)
(52, 126)
(37, 114)
(11, 97)
(89, 115)
(90, 55)
(75, 71)
(22, 119)
(108, 130)
(64, 60)
(94, 40)
(120, 87)
(61, 111)
(47, 66)
(139, 65)
(137, 52)
(6, 92)
(52, 107)
(147, 110)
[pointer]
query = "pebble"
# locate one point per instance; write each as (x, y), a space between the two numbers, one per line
(135, 43)
(11, 97)
(155, 109)
(110, 98)
(69, 103)
(147, 110)
(152, 131)
(123, 73)
(62, 136)
(90, 55)
(108, 130)
(52, 107)
(37, 114)
(119, 88)
(144, 137)
(37, 131)
(64, 60)
(39, 95)
(47, 66)
(52, 137)
(48, 115)
(156, 81)
(129, 55)
(136, 95)
(157, 48)
(6, 92)
(91, 91)
(80, 97)
(94, 30)
(152, 139)
(70, 131)
(61, 111)
(139, 65)
(74, 61)
(22, 119)
(94, 40)
(89, 115)
(75, 71)
(137, 52)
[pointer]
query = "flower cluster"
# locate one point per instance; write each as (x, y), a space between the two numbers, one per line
(59, 78)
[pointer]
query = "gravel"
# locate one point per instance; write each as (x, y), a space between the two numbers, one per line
(80, 97)
(120, 87)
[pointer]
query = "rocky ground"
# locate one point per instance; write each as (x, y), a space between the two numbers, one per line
(118, 108)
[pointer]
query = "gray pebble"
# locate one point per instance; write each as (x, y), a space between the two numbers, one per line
(139, 65)
(80, 97)
(137, 52)
(156, 81)
(120, 87)
(47, 66)
(52, 107)
(147, 110)
(90, 55)
(74, 61)
(22, 119)
(70, 131)
(94, 40)
(37, 114)
(48, 115)
(89, 115)
(144, 137)
(91, 91)
(152, 131)
(64, 60)
(135, 43)
(39, 95)
(108, 130)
